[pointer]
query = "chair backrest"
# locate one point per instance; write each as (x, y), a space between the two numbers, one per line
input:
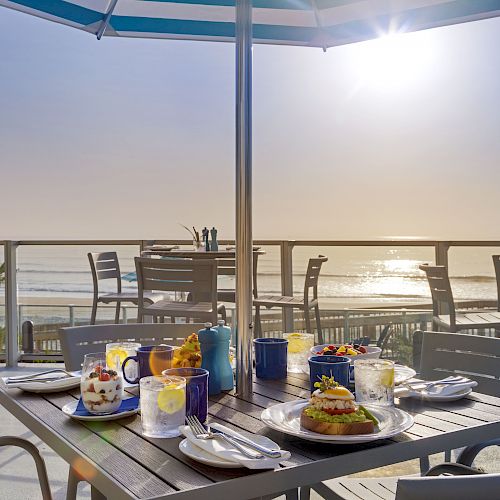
(312, 275)
(449, 487)
(104, 266)
(478, 358)
(496, 264)
(442, 296)
(227, 267)
(197, 277)
(80, 340)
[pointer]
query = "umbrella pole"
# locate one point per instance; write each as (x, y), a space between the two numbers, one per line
(244, 297)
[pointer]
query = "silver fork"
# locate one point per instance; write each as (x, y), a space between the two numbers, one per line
(35, 376)
(201, 433)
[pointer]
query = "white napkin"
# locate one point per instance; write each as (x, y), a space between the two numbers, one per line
(435, 391)
(222, 449)
(448, 389)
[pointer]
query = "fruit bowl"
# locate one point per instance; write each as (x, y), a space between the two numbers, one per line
(372, 352)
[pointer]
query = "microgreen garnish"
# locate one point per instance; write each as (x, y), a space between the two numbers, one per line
(326, 383)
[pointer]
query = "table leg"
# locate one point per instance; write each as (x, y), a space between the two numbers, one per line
(95, 494)
(73, 480)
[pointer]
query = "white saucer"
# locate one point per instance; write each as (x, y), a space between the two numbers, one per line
(64, 384)
(429, 396)
(69, 409)
(192, 451)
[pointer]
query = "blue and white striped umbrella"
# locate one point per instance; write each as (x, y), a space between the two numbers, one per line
(314, 23)
(317, 23)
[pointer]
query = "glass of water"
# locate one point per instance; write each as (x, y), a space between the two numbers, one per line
(299, 345)
(117, 352)
(374, 381)
(163, 405)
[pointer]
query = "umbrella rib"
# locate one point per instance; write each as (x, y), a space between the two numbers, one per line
(319, 23)
(106, 19)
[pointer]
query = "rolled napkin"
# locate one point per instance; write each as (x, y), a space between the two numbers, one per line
(222, 449)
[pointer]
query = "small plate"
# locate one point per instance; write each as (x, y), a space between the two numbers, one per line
(69, 409)
(285, 417)
(195, 453)
(429, 396)
(64, 384)
(403, 373)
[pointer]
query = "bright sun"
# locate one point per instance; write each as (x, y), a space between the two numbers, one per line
(393, 60)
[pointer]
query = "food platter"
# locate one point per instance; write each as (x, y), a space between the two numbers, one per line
(285, 417)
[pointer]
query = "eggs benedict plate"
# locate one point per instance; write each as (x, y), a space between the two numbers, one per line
(332, 410)
(332, 416)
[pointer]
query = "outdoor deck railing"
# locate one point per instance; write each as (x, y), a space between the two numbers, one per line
(339, 325)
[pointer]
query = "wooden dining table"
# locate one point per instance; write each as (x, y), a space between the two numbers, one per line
(119, 462)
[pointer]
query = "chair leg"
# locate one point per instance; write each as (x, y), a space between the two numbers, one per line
(258, 324)
(318, 325)
(305, 492)
(117, 313)
(223, 313)
(308, 321)
(94, 312)
(41, 470)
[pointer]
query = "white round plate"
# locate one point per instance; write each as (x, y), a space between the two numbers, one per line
(65, 384)
(429, 396)
(69, 409)
(192, 451)
(403, 373)
(285, 417)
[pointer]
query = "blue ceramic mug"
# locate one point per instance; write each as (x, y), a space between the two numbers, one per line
(331, 366)
(196, 390)
(151, 360)
(271, 358)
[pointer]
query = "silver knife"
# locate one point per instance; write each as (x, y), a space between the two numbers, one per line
(261, 449)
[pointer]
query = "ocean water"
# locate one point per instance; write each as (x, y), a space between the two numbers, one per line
(352, 276)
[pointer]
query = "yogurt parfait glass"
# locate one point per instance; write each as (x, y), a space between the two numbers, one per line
(101, 386)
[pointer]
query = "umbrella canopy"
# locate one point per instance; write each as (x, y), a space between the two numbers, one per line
(317, 23)
(314, 23)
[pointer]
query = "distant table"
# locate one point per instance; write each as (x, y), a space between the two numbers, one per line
(120, 462)
(192, 254)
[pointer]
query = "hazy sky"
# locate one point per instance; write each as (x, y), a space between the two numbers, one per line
(127, 138)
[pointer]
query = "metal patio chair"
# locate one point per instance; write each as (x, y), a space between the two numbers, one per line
(76, 341)
(198, 278)
(41, 469)
(445, 317)
(105, 266)
(304, 303)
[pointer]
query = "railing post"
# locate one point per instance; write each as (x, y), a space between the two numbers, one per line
(11, 311)
(124, 315)
(441, 252)
(71, 315)
(286, 259)
(346, 326)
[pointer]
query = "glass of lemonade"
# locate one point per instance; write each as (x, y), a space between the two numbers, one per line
(163, 405)
(374, 381)
(299, 345)
(117, 352)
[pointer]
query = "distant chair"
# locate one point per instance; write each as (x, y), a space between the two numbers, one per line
(227, 267)
(106, 266)
(198, 278)
(305, 303)
(76, 341)
(496, 264)
(445, 316)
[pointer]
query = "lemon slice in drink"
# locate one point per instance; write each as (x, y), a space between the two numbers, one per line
(111, 356)
(295, 343)
(171, 399)
(387, 377)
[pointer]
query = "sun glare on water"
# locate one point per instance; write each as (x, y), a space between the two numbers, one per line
(394, 60)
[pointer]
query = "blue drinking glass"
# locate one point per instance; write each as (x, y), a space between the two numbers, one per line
(196, 390)
(271, 358)
(331, 366)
